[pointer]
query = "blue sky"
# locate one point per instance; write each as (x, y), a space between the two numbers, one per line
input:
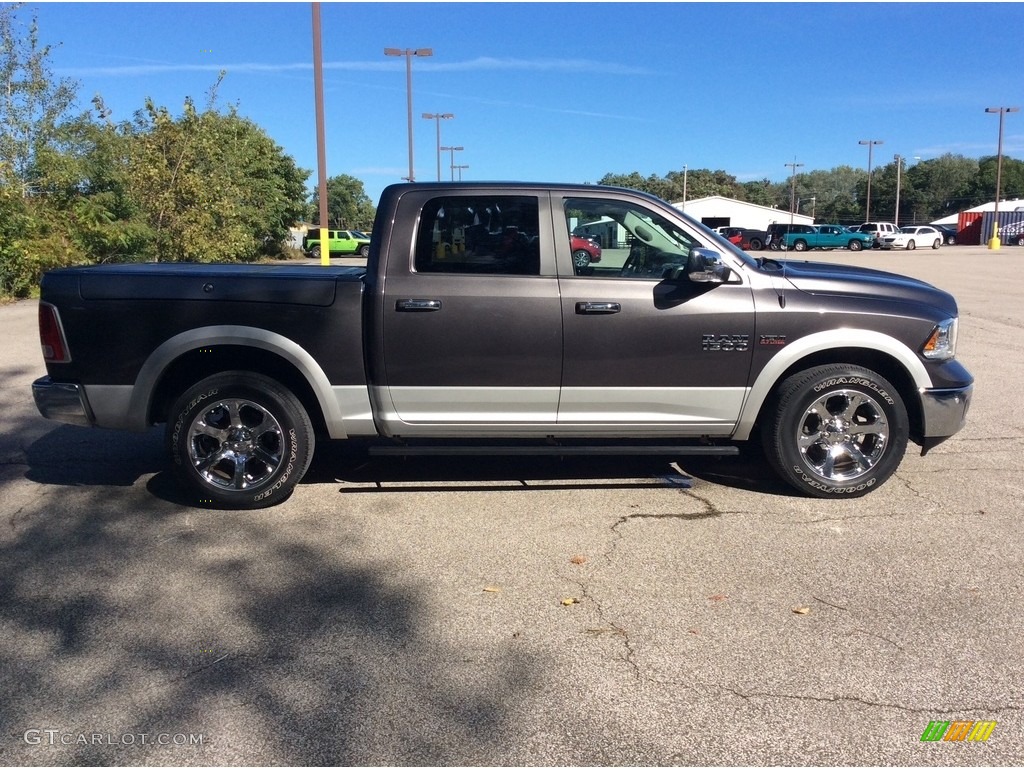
(570, 91)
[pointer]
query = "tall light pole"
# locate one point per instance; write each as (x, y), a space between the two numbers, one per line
(870, 143)
(452, 150)
(899, 167)
(321, 141)
(409, 53)
(993, 244)
(460, 167)
(438, 117)
(685, 169)
(792, 187)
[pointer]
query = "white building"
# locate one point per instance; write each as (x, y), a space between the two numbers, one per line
(1004, 205)
(719, 211)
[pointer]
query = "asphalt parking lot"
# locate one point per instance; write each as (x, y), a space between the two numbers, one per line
(481, 611)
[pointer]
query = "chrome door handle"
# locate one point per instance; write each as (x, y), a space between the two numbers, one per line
(597, 307)
(417, 305)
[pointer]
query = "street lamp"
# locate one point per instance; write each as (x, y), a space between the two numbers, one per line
(452, 150)
(870, 143)
(685, 169)
(899, 167)
(993, 244)
(460, 167)
(813, 200)
(438, 117)
(409, 53)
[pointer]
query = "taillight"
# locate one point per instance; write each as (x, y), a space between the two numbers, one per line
(51, 335)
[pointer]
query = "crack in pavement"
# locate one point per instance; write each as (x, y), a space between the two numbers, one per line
(874, 704)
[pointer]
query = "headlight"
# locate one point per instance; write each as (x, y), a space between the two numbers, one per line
(941, 343)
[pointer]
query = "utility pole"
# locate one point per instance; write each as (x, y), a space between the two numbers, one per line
(870, 144)
(792, 187)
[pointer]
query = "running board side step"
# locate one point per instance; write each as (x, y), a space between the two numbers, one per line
(553, 450)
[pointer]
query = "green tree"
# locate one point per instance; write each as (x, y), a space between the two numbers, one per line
(213, 186)
(348, 205)
(32, 102)
(942, 186)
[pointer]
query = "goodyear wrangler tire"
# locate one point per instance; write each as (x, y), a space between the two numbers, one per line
(836, 431)
(239, 440)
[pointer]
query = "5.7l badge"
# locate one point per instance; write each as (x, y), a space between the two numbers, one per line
(726, 342)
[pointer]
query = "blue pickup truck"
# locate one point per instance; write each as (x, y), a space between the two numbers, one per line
(827, 236)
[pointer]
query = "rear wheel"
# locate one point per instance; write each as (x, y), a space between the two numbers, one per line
(836, 430)
(315, 252)
(239, 440)
(756, 245)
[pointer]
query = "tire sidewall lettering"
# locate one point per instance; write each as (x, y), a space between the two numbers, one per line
(853, 381)
(186, 414)
(283, 478)
(837, 490)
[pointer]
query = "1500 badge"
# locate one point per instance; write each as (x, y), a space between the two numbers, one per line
(727, 342)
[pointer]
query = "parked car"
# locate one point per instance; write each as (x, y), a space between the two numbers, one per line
(911, 237)
(878, 230)
(827, 236)
(342, 242)
(775, 232)
(747, 239)
(584, 252)
(502, 347)
(948, 233)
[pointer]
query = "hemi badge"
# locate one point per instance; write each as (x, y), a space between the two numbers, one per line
(773, 340)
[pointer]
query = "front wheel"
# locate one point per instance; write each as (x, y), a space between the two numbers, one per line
(855, 245)
(364, 251)
(239, 440)
(800, 245)
(836, 430)
(911, 245)
(937, 244)
(580, 259)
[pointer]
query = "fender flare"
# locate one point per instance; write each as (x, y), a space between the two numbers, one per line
(818, 342)
(235, 335)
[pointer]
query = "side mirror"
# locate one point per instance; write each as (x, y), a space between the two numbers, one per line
(706, 266)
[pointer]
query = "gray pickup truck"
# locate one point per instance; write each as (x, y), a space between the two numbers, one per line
(473, 329)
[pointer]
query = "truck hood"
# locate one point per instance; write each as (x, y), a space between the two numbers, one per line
(821, 279)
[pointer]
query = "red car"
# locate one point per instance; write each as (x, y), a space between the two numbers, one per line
(584, 252)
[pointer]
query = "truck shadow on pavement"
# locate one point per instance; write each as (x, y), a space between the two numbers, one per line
(361, 473)
(258, 635)
(75, 456)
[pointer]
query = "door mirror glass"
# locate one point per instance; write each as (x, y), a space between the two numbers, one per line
(706, 266)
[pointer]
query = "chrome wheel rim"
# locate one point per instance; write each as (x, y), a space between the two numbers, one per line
(842, 435)
(235, 444)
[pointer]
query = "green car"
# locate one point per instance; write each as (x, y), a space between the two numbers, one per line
(343, 242)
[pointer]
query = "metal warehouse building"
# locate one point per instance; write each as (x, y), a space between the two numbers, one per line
(718, 211)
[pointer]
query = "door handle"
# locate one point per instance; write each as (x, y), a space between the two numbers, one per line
(597, 307)
(417, 305)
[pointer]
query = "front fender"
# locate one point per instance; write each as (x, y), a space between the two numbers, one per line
(819, 342)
